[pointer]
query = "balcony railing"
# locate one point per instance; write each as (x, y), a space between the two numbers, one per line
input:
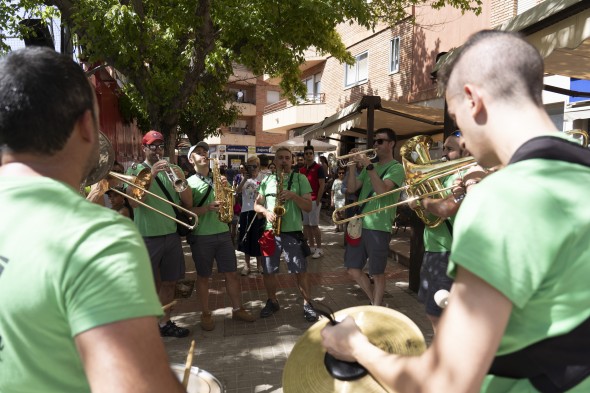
(310, 99)
(241, 131)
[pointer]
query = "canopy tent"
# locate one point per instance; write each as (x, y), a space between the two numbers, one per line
(371, 112)
(559, 29)
(297, 144)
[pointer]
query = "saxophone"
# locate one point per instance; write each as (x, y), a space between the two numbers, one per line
(225, 194)
(279, 210)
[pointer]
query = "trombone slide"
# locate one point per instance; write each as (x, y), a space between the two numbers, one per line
(143, 177)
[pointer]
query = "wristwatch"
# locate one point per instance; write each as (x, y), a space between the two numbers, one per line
(370, 167)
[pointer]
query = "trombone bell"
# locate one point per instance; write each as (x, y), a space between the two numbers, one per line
(139, 181)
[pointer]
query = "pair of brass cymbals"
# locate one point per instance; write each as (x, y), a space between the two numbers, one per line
(388, 329)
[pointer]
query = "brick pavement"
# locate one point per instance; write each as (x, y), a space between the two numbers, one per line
(249, 357)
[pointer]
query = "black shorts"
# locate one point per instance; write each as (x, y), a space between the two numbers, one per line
(433, 278)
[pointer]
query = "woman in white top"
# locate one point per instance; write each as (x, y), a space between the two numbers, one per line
(250, 227)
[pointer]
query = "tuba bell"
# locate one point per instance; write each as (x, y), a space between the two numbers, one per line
(415, 155)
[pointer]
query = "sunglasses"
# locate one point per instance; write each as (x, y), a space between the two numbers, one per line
(308, 152)
(341, 173)
(154, 147)
(456, 133)
(381, 141)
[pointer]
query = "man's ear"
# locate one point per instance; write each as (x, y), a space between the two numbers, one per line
(190, 159)
(475, 99)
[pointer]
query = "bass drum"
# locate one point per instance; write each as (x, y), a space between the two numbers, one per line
(200, 381)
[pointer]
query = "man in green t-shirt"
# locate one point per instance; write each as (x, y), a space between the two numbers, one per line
(438, 239)
(211, 241)
(78, 306)
(294, 197)
(375, 179)
(520, 243)
(158, 231)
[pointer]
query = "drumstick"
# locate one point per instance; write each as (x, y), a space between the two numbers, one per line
(169, 305)
(189, 364)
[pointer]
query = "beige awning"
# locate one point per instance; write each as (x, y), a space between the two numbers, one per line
(559, 29)
(405, 119)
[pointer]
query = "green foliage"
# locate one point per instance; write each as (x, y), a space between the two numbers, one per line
(177, 55)
(13, 11)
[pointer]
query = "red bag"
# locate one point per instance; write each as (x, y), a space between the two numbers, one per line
(267, 243)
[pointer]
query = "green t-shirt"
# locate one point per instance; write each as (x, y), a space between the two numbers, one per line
(439, 239)
(149, 222)
(292, 220)
(383, 220)
(525, 231)
(209, 223)
(66, 266)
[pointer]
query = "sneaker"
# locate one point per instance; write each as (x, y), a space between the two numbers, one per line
(242, 315)
(170, 329)
(207, 321)
(318, 253)
(245, 271)
(309, 313)
(270, 308)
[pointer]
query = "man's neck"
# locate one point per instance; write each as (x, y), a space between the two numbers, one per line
(202, 170)
(39, 166)
(386, 159)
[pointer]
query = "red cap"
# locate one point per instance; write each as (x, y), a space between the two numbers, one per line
(152, 136)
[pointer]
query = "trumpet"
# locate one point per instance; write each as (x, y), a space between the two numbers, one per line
(179, 184)
(348, 159)
(416, 175)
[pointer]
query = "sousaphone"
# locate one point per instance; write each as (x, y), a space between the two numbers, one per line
(305, 370)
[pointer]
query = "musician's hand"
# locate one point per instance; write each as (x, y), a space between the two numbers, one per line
(286, 195)
(270, 216)
(214, 206)
(179, 172)
(341, 340)
(413, 204)
(459, 189)
(159, 166)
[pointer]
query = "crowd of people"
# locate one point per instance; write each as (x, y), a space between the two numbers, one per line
(517, 316)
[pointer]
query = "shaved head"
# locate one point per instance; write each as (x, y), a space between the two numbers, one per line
(505, 65)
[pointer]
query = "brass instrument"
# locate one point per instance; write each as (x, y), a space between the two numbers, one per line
(579, 135)
(279, 210)
(347, 159)
(225, 194)
(417, 151)
(139, 182)
(419, 180)
(179, 184)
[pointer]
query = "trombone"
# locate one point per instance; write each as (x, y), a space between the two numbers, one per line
(346, 160)
(106, 158)
(139, 182)
(416, 175)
